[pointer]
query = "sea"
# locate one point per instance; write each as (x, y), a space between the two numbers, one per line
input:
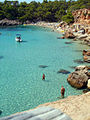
(23, 64)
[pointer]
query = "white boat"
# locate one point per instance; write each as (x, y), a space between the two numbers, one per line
(18, 38)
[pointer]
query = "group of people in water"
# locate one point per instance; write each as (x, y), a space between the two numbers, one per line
(62, 88)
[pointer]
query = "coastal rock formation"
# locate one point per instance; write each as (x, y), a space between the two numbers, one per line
(69, 35)
(82, 16)
(6, 22)
(86, 55)
(86, 52)
(79, 77)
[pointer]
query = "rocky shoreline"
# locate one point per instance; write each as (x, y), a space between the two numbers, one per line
(6, 22)
(73, 31)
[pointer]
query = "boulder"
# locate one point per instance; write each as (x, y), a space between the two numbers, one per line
(69, 35)
(81, 67)
(86, 58)
(86, 52)
(88, 84)
(78, 79)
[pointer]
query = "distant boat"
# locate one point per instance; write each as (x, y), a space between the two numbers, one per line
(18, 38)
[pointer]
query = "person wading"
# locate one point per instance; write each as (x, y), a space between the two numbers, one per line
(43, 77)
(62, 91)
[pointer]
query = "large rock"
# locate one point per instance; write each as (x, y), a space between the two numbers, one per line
(86, 55)
(86, 58)
(86, 52)
(79, 78)
(69, 35)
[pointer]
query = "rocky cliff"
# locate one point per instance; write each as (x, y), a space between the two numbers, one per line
(82, 16)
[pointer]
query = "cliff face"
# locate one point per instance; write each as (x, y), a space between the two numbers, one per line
(82, 16)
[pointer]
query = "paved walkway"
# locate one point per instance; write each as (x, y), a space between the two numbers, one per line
(41, 113)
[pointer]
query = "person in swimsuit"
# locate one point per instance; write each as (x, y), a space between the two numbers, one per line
(43, 77)
(62, 91)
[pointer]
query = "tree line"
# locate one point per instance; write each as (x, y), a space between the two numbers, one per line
(51, 11)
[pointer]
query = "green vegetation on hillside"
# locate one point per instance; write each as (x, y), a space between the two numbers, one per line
(46, 11)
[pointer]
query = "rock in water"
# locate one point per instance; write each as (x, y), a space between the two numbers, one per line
(0, 112)
(79, 78)
(43, 66)
(63, 71)
(1, 57)
(68, 42)
(69, 35)
(79, 61)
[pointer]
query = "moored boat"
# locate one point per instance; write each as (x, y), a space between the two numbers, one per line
(18, 38)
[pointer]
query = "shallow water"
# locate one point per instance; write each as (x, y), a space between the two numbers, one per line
(21, 85)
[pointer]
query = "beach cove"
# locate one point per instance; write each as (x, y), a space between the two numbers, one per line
(23, 64)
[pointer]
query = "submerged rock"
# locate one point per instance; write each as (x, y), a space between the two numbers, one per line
(68, 42)
(43, 66)
(0, 112)
(63, 71)
(78, 50)
(79, 61)
(73, 67)
(61, 37)
(1, 57)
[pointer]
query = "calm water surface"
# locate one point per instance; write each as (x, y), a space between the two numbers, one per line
(21, 85)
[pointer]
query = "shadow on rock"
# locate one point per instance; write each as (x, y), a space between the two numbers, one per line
(63, 71)
(79, 61)
(43, 66)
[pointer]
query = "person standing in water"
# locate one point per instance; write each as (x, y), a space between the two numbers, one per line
(62, 91)
(43, 77)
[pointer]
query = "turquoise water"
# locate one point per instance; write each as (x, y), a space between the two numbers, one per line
(21, 85)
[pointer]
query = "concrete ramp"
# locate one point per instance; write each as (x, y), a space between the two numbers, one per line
(41, 113)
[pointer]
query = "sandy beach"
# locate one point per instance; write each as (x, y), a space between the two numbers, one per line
(77, 107)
